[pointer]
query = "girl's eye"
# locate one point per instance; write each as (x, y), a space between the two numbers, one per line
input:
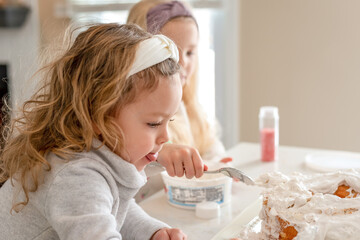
(190, 53)
(154, 125)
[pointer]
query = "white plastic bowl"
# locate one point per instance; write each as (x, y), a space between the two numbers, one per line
(186, 193)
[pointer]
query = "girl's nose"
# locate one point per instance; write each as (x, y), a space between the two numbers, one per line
(163, 137)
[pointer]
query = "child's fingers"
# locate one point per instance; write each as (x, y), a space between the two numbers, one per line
(176, 234)
(179, 160)
(169, 166)
(179, 167)
(170, 169)
(189, 167)
(198, 163)
(162, 234)
(169, 234)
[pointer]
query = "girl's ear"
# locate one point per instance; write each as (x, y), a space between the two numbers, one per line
(96, 129)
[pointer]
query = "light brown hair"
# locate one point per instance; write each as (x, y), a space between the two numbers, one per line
(202, 136)
(82, 88)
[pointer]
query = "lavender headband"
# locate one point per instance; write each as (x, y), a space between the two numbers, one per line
(162, 13)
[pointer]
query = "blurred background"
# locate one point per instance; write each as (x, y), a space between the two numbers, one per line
(302, 56)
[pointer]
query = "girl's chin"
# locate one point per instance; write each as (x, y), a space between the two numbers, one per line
(140, 168)
(142, 164)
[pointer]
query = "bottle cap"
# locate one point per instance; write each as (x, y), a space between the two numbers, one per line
(269, 112)
(207, 210)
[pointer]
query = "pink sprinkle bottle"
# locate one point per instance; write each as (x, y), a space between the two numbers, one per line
(269, 133)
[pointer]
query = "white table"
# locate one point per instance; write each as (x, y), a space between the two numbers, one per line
(246, 157)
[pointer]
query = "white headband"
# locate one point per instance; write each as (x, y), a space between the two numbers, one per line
(153, 51)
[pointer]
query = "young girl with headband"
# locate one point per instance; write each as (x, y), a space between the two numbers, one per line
(191, 135)
(74, 160)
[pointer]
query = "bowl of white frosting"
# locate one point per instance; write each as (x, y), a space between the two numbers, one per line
(186, 193)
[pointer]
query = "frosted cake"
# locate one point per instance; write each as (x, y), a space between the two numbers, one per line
(314, 207)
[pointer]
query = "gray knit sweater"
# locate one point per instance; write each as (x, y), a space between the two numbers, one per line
(88, 197)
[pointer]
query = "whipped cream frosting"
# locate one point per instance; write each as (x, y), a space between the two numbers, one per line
(308, 202)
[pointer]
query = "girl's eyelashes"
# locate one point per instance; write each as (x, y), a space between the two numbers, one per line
(190, 53)
(156, 124)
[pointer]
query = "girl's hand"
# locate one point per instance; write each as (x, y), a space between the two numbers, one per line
(180, 159)
(169, 234)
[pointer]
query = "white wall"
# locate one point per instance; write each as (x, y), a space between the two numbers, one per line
(19, 48)
(227, 96)
(304, 57)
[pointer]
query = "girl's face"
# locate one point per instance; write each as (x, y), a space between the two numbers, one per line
(184, 32)
(144, 122)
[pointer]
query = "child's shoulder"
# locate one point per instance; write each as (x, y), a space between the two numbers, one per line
(98, 164)
(77, 163)
(82, 170)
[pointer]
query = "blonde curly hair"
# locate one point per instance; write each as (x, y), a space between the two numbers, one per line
(81, 91)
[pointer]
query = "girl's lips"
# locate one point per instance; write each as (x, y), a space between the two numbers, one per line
(152, 157)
